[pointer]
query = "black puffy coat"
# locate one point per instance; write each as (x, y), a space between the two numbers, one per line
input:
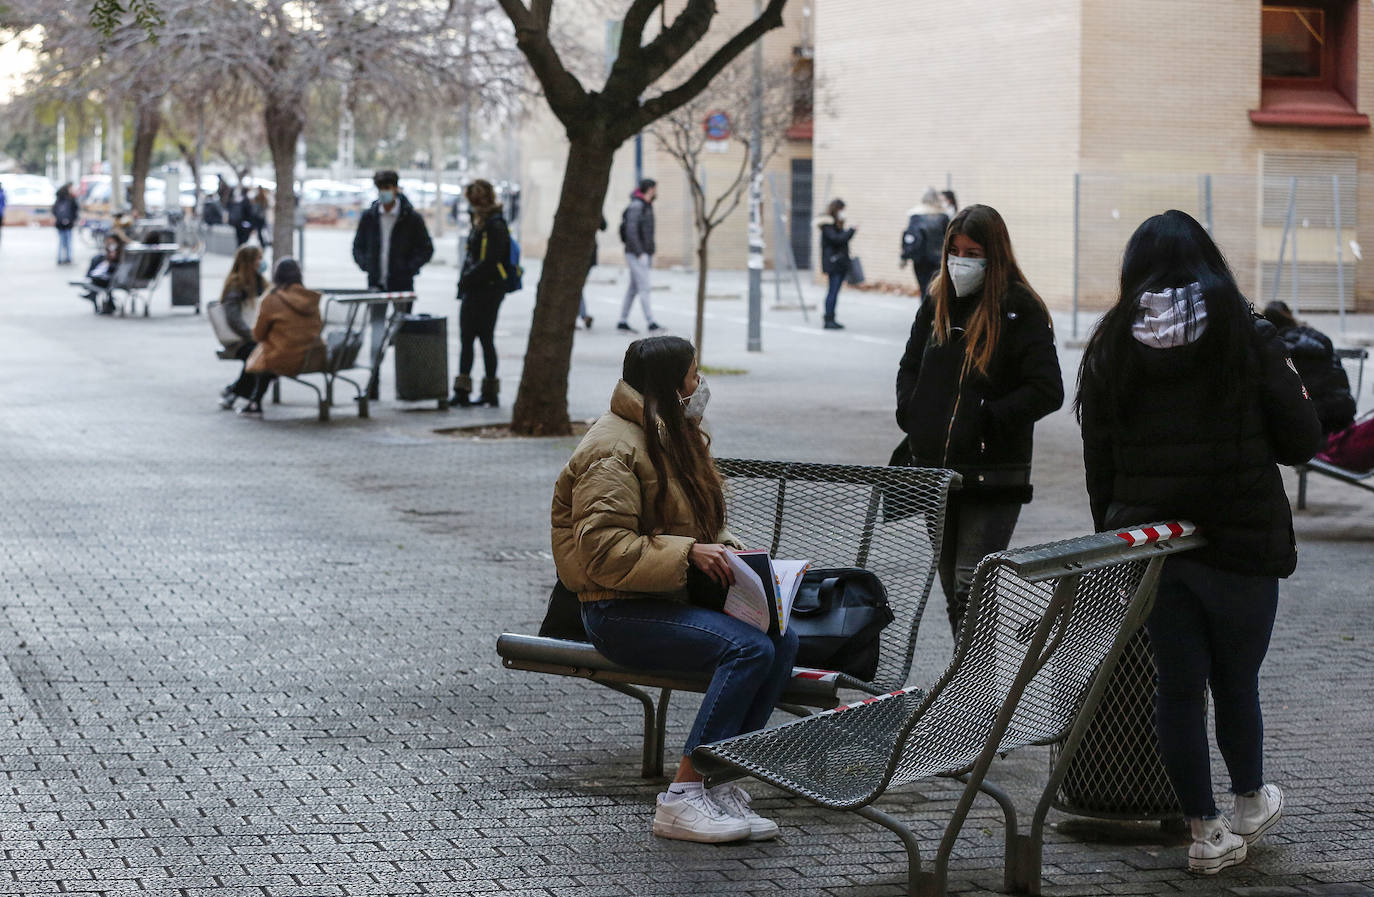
(834, 246)
(1322, 374)
(637, 226)
(488, 254)
(1179, 451)
(980, 425)
(410, 246)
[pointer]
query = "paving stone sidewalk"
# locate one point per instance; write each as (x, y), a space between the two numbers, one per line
(257, 657)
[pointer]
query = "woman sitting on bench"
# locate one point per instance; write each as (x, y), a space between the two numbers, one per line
(638, 508)
(239, 299)
(287, 332)
(100, 274)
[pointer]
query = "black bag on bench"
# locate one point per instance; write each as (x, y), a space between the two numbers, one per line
(839, 612)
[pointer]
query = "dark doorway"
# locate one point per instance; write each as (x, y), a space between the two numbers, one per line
(801, 212)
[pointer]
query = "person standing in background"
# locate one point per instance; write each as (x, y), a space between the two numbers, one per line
(950, 203)
(835, 261)
(261, 206)
(924, 238)
(391, 246)
(64, 213)
(637, 233)
(481, 287)
(2, 209)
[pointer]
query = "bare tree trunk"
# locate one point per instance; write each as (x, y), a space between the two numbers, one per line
(541, 406)
(702, 255)
(114, 149)
(147, 122)
(285, 119)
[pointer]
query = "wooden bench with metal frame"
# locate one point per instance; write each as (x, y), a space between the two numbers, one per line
(889, 520)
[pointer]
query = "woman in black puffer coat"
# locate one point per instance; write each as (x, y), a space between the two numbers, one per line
(979, 370)
(1188, 405)
(1317, 364)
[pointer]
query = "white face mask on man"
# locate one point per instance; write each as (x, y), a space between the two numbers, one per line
(694, 406)
(967, 274)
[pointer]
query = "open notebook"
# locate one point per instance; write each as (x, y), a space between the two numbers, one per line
(764, 589)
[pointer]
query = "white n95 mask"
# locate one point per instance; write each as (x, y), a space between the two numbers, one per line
(966, 275)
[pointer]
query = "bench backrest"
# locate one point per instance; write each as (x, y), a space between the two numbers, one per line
(1041, 622)
(889, 520)
(1042, 632)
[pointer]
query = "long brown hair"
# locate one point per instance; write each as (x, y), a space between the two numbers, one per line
(678, 448)
(481, 196)
(984, 226)
(243, 274)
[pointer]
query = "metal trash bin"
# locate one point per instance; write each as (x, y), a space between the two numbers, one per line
(421, 357)
(185, 281)
(1116, 772)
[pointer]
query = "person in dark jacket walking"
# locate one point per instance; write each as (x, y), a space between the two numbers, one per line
(835, 259)
(979, 370)
(1317, 364)
(1188, 404)
(637, 233)
(923, 240)
(481, 287)
(64, 213)
(391, 246)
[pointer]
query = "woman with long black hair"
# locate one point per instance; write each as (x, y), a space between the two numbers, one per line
(638, 506)
(1188, 404)
(979, 370)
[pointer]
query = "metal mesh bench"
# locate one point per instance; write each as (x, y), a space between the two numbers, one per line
(1043, 631)
(889, 520)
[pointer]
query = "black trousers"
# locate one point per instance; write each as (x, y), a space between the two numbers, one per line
(250, 386)
(477, 323)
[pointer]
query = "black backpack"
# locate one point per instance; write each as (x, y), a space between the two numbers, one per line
(924, 238)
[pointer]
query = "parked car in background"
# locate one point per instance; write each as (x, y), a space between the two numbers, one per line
(94, 193)
(28, 199)
(326, 201)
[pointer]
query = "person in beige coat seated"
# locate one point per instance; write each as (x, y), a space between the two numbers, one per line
(638, 533)
(287, 333)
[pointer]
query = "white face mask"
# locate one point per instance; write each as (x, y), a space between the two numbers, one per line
(694, 406)
(386, 196)
(967, 275)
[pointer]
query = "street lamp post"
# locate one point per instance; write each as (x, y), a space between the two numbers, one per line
(755, 337)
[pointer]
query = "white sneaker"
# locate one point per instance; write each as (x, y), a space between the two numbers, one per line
(1256, 813)
(693, 816)
(1214, 846)
(735, 800)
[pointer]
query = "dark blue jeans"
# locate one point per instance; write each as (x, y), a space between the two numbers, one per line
(749, 669)
(1212, 627)
(833, 295)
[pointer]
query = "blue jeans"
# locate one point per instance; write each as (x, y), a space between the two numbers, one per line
(64, 245)
(749, 669)
(833, 294)
(1210, 626)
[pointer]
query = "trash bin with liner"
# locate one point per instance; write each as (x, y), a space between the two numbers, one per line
(185, 281)
(421, 353)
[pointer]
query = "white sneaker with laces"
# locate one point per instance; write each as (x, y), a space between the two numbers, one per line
(694, 816)
(735, 800)
(1214, 846)
(1257, 812)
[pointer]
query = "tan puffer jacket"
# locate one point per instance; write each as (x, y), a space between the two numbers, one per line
(287, 331)
(603, 512)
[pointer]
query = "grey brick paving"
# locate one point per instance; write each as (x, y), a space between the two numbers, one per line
(256, 658)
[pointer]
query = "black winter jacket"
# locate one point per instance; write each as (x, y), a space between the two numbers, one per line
(488, 254)
(637, 226)
(980, 425)
(1322, 374)
(834, 246)
(410, 246)
(923, 241)
(65, 212)
(1180, 452)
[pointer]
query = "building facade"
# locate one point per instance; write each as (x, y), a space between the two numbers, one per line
(1077, 119)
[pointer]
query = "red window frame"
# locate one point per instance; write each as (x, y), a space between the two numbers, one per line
(1327, 101)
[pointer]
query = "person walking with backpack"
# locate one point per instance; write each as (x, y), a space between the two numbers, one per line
(391, 245)
(65, 212)
(637, 233)
(924, 239)
(835, 259)
(484, 282)
(1188, 404)
(979, 370)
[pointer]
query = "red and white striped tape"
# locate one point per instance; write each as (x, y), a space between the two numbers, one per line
(405, 296)
(873, 700)
(1162, 533)
(814, 675)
